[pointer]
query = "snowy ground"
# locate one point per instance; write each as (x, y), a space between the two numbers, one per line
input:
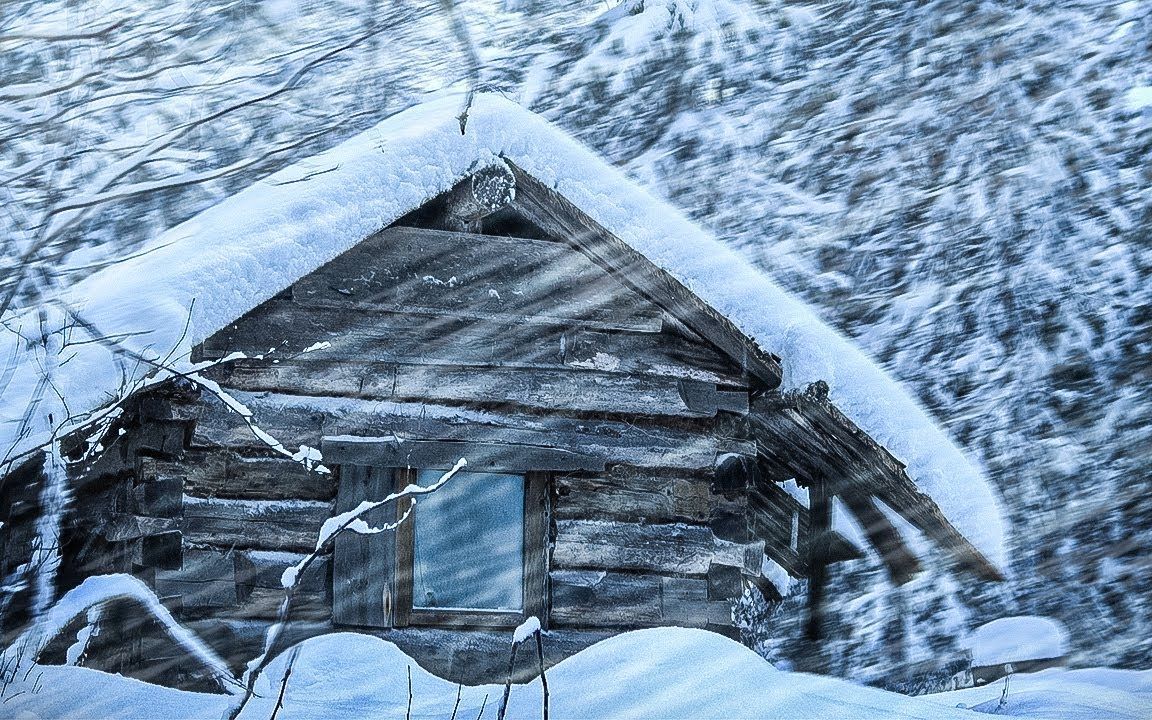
(662, 673)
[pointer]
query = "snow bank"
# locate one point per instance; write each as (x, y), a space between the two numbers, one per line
(665, 672)
(1016, 639)
(660, 673)
(1057, 694)
(208, 271)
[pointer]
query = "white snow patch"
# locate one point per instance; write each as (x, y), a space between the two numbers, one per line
(1138, 98)
(525, 630)
(775, 573)
(1016, 639)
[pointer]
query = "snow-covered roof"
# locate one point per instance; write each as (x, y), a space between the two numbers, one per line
(203, 274)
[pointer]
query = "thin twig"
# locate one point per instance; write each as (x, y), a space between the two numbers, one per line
(408, 710)
(543, 676)
(284, 681)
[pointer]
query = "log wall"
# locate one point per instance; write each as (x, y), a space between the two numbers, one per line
(443, 341)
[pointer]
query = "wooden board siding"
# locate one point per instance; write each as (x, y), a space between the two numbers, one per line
(416, 270)
(304, 420)
(364, 566)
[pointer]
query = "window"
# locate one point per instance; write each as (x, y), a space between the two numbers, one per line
(472, 554)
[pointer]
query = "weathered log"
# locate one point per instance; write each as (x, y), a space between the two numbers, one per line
(224, 474)
(268, 525)
(671, 548)
(304, 420)
(205, 580)
(582, 598)
(535, 388)
(513, 280)
(629, 495)
(479, 195)
(556, 215)
(282, 329)
(431, 454)
(685, 602)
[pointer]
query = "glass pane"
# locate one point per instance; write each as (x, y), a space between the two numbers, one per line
(469, 550)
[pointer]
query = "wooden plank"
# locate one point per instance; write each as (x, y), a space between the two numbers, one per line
(264, 569)
(443, 454)
(685, 602)
(537, 521)
(899, 561)
(782, 523)
(449, 273)
(205, 580)
(225, 474)
(537, 388)
(269, 525)
(804, 434)
(629, 494)
(670, 548)
(591, 599)
(363, 566)
(560, 218)
(263, 603)
(304, 420)
(650, 354)
(281, 329)
(820, 524)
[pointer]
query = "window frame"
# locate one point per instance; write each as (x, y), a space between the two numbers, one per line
(536, 522)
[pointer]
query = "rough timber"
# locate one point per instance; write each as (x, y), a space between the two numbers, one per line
(528, 338)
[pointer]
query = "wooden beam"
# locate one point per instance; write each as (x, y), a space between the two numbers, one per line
(820, 524)
(560, 218)
(802, 434)
(517, 280)
(443, 454)
(363, 566)
(304, 420)
(900, 562)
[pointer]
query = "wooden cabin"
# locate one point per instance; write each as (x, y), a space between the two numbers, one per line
(626, 447)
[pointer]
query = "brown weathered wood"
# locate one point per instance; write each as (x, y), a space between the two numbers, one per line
(556, 215)
(707, 399)
(593, 599)
(629, 494)
(363, 566)
(431, 271)
(537, 388)
(899, 561)
(224, 474)
(278, 525)
(303, 420)
(669, 548)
